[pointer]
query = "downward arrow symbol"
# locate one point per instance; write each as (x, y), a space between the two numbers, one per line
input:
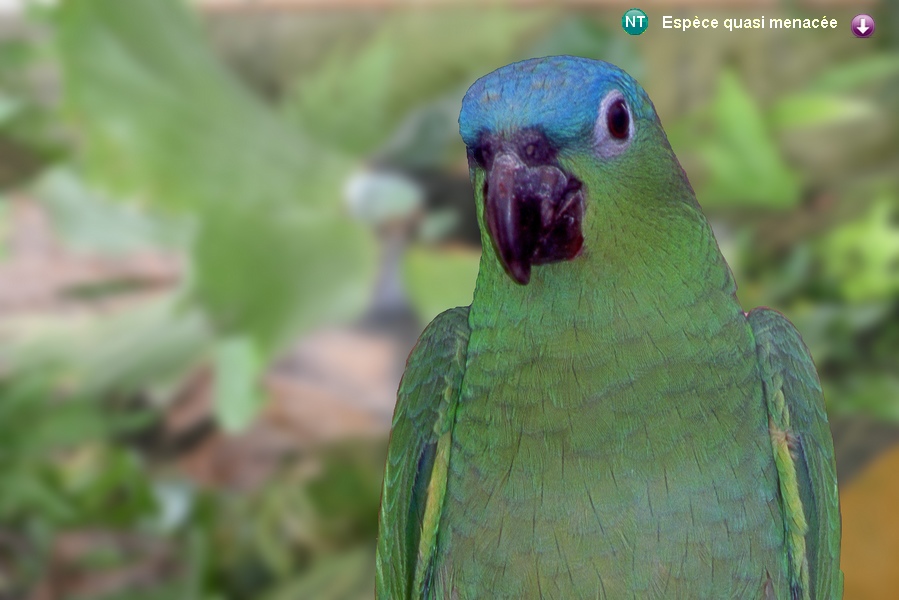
(862, 28)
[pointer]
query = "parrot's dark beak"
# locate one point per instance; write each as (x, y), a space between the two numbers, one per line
(534, 213)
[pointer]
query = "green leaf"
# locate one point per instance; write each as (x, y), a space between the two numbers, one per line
(850, 76)
(439, 279)
(33, 492)
(88, 220)
(876, 394)
(10, 107)
(346, 100)
(136, 350)
(744, 163)
(238, 398)
(815, 109)
(72, 422)
(110, 487)
(862, 257)
(163, 120)
(348, 575)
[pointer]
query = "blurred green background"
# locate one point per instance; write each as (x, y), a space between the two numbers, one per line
(224, 224)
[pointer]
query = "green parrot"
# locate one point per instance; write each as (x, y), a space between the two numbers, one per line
(604, 420)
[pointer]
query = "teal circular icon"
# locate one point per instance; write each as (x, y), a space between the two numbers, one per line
(634, 21)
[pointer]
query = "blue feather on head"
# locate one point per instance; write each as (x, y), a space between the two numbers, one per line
(558, 94)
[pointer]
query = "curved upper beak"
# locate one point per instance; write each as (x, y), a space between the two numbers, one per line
(533, 213)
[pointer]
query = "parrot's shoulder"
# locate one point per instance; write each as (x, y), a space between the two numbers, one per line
(417, 457)
(803, 452)
(435, 362)
(782, 353)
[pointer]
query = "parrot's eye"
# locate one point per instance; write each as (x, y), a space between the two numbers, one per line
(614, 126)
(618, 119)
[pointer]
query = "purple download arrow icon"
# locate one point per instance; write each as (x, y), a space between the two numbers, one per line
(862, 26)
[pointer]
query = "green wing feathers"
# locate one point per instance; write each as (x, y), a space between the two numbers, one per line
(417, 458)
(803, 452)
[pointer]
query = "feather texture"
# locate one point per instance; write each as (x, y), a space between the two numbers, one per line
(415, 475)
(804, 455)
(613, 425)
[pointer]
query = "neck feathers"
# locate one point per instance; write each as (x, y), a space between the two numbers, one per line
(665, 264)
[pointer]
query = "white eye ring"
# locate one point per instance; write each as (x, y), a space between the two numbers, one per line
(604, 143)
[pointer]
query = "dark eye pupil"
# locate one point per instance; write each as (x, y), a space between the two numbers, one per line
(618, 119)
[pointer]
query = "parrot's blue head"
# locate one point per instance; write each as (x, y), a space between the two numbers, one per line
(522, 124)
(558, 95)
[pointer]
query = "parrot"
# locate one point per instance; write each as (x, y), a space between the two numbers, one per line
(604, 420)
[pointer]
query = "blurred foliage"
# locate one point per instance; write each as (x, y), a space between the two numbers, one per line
(360, 94)
(57, 475)
(90, 221)
(438, 280)
(143, 350)
(293, 537)
(861, 258)
(237, 364)
(307, 535)
(162, 118)
(743, 159)
(29, 131)
(156, 144)
(72, 491)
